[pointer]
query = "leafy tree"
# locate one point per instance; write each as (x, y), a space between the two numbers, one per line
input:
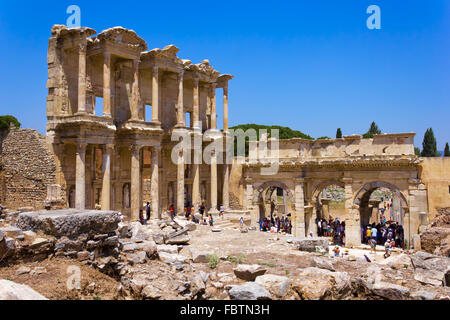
(372, 131)
(5, 122)
(429, 148)
(417, 151)
(323, 138)
(284, 133)
(446, 150)
(338, 133)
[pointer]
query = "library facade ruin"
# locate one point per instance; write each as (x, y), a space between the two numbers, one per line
(113, 107)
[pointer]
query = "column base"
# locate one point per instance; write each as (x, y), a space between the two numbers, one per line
(213, 211)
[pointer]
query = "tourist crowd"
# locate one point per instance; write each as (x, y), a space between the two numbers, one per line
(331, 228)
(275, 224)
(382, 232)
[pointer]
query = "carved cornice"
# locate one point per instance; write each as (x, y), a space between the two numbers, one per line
(347, 162)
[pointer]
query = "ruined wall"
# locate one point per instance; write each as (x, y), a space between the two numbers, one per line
(435, 175)
(28, 168)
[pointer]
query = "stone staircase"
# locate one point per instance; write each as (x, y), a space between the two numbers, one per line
(231, 219)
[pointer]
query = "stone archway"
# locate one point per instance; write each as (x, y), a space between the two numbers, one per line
(368, 214)
(258, 200)
(317, 202)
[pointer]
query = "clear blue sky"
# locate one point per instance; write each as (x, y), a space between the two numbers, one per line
(310, 65)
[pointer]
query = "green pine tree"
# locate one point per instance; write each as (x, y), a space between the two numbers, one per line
(429, 148)
(372, 131)
(338, 133)
(446, 150)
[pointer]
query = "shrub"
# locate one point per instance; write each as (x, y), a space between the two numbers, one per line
(213, 260)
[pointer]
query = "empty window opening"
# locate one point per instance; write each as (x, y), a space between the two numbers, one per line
(98, 106)
(187, 119)
(147, 112)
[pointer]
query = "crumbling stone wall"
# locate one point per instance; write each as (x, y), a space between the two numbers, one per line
(27, 168)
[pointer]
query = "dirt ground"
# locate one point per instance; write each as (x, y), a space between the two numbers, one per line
(52, 283)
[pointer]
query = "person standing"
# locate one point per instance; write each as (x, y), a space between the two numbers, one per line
(147, 210)
(221, 211)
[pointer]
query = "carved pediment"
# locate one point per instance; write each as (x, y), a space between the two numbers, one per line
(122, 36)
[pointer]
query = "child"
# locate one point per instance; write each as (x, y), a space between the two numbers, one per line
(336, 251)
(373, 245)
(387, 249)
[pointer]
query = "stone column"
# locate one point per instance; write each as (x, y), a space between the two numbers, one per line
(135, 97)
(225, 106)
(155, 94)
(213, 167)
(313, 222)
(106, 182)
(107, 84)
(180, 183)
(156, 213)
(196, 106)
(298, 223)
(135, 182)
(326, 209)
(213, 106)
(352, 221)
(180, 113)
(82, 77)
(196, 197)
(225, 190)
(80, 177)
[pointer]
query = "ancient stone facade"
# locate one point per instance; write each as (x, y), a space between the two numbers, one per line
(116, 158)
(110, 152)
(358, 165)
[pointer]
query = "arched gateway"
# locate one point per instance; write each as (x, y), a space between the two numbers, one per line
(356, 166)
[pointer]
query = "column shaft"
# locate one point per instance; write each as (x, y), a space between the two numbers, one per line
(180, 112)
(135, 97)
(213, 106)
(180, 184)
(225, 191)
(80, 177)
(135, 183)
(213, 166)
(299, 219)
(106, 183)
(155, 183)
(225, 106)
(196, 201)
(107, 85)
(82, 77)
(155, 94)
(196, 106)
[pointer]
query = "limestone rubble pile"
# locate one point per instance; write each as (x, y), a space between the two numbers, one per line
(436, 237)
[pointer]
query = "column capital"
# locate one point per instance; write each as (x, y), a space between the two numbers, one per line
(82, 47)
(156, 148)
(180, 74)
(299, 180)
(107, 55)
(347, 180)
(109, 146)
(135, 149)
(81, 147)
(196, 78)
(155, 69)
